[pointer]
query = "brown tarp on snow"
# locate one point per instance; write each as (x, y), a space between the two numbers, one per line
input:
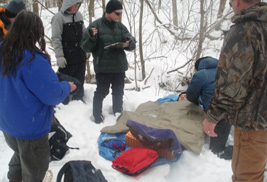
(183, 117)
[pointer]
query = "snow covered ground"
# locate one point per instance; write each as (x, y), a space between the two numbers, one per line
(77, 119)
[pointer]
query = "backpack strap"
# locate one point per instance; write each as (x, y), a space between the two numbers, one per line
(62, 171)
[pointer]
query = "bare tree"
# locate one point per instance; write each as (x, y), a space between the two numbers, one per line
(202, 30)
(59, 4)
(104, 5)
(221, 8)
(174, 14)
(91, 11)
(35, 7)
(141, 39)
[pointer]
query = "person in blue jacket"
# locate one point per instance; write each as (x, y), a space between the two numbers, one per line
(29, 90)
(201, 90)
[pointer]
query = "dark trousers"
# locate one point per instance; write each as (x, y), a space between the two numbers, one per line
(78, 72)
(217, 144)
(30, 159)
(103, 83)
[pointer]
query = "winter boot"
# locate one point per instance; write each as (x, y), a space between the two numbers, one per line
(99, 119)
(97, 108)
(227, 153)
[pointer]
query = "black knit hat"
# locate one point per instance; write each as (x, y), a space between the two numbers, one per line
(14, 7)
(113, 5)
(198, 61)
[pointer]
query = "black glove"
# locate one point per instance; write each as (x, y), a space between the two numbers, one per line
(132, 42)
(89, 33)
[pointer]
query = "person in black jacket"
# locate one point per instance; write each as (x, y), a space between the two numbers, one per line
(8, 14)
(110, 62)
(67, 31)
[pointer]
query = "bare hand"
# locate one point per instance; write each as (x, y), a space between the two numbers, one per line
(127, 43)
(72, 86)
(94, 31)
(209, 128)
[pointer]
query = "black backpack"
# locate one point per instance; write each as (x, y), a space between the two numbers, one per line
(74, 94)
(58, 140)
(80, 171)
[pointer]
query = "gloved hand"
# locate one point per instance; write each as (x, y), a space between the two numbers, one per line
(61, 62)
(131, 43)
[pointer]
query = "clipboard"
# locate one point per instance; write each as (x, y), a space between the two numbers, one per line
(116, 45)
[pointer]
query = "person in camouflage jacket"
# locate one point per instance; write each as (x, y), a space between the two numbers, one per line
(240, 89)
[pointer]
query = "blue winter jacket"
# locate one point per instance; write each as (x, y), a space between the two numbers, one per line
(202, 83)
(27, 99)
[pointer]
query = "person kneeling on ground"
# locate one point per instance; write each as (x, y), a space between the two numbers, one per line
(201, 90)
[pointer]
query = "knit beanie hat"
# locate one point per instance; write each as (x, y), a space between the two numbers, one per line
(113, 5)
(14, 7)
(198, 61)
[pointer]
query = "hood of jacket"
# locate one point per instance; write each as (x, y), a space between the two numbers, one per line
(68, 3)
(208, 63)
(258, 12)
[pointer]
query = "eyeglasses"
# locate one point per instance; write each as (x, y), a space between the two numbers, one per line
(118, 13)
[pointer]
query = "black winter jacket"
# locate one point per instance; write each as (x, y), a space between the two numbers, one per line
(109, 60)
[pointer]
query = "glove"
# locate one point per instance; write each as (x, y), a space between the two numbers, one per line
(61, 62)
(132, 42)
(91, 34)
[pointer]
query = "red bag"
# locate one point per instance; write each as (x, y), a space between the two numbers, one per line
(135, 161)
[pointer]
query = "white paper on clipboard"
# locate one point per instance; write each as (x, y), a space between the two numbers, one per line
(116, 45)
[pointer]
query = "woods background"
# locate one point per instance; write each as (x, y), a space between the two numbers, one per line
(177, 32)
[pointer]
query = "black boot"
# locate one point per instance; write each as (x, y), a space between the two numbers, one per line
(227, 153)
(117, 103)
(97, 108)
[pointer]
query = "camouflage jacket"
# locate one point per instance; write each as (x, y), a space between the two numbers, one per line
(240, 83)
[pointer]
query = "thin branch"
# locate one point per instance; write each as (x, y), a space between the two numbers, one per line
(180, 66)
(46, 8)
(148, 76)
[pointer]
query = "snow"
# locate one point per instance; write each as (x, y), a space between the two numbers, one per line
(77, 118)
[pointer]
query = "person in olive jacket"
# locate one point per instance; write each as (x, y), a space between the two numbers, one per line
(110, 63)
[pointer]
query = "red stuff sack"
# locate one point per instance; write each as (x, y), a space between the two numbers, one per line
(135, 161)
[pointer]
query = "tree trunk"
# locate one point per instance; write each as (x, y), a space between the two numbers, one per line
(141, 39)
(104, 5)
(202, 30)
(91, 11)
(121, 1)
(221, 8)
(59, 4)
(174, 14)
(35, 7)
(159, 7)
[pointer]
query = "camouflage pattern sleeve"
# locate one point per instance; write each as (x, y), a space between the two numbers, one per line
(240, 77)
